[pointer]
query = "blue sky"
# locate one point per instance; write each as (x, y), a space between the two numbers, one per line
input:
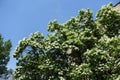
(20, 18)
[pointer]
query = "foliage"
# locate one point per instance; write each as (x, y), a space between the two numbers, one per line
(5, 47)
(80, 49)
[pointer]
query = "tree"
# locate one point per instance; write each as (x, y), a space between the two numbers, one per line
(5, 47)
(83, 48)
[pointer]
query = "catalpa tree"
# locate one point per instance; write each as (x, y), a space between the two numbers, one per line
(83, 48)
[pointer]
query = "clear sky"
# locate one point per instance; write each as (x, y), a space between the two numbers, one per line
(19, 18)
